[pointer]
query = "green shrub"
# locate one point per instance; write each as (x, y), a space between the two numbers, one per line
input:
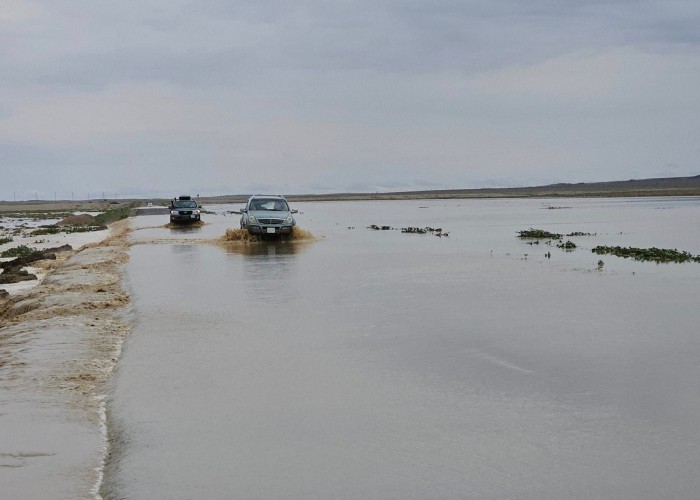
(569, 245)
(106, 218)
(648, 254)
(539, 234)
(45, 230)
(18, 251)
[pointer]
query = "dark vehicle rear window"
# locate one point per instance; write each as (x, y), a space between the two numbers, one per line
(184, 204)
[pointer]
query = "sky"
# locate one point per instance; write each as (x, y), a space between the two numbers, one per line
(155, 98)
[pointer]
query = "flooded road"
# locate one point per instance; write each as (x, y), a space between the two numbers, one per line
(375, 364)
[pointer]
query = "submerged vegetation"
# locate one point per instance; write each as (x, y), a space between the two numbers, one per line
(539, 234)
(423, 230)
(18, 251)
(65, 229)
(648, 254)
(437, 231)
(568, 245)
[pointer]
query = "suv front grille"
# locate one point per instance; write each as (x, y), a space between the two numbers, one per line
(271, 221)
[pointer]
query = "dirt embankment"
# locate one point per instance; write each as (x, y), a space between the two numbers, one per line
(78, 220)
(59, 344)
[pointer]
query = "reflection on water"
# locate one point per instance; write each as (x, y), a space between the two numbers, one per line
(376, 364)
(264, 248)
(185, 228)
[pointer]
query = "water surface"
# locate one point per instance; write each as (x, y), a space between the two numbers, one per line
(376, 364)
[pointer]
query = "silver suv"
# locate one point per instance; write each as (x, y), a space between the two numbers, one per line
(268, 215)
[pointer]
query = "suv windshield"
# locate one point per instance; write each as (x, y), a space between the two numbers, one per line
(260, 204)
(184, 204)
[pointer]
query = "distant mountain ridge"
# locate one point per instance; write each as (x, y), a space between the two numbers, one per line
(662, 186)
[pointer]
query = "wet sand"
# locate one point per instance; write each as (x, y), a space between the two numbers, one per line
(59, 343)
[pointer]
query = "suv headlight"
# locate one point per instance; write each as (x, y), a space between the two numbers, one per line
(289, 219)
(251, 218)
(173, 212)
(196, 212)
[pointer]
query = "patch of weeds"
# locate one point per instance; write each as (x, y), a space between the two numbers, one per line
(9, 239)
(579, 233)
(648, 254)
(437, 231)
(539, 234)
(65, 229)
(568, 245)
(380, 228)
(84, 229)
(36, 215)
(45, 230)
(106, 218)
(18, 251)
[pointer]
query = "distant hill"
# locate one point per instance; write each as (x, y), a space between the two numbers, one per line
(665, 186)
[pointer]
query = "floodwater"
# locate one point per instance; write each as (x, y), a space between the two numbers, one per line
(381, 365)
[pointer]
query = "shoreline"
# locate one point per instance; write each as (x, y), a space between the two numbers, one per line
(59, 345)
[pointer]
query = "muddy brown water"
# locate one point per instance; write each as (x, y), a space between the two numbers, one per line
(375, 364)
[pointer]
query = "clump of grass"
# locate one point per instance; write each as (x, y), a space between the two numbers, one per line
(380, 228)
(106, 218)
(36, 215)
(8, 239)
(66, 229)
(648, 254)
(579, 233)
(539, 234)
(423, 230)
(45, 230)
(18, 251)
(568, 245)
(84, 229)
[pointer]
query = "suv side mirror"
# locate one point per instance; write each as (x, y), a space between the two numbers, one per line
(244, 210)
(295, 211)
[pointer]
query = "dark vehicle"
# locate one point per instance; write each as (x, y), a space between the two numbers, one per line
(184, 209)
(268, 215)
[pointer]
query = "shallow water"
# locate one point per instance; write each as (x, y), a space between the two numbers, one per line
(376, 364)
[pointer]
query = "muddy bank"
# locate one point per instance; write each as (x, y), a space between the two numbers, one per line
(59, 343)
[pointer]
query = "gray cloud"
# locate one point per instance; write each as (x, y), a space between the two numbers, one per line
(339, 96)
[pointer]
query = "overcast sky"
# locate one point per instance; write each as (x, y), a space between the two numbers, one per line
(164, 97)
